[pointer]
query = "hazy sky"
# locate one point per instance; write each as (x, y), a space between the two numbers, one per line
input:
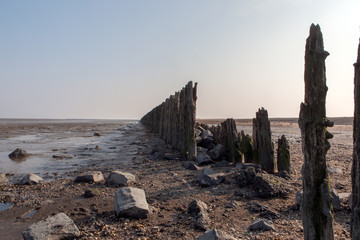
(119, 59)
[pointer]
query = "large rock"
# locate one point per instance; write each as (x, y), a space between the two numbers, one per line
(217, 152)
(30, 179)
(261, 224)
(215, 235)
(198, 211)
(205, 134)
(57, 227)
(268, 186)
(208, 177)
(18, 153)
(203, 159)
(90, 177)
(190, 165)
(131, 202)
(3, 179)
(118, 178)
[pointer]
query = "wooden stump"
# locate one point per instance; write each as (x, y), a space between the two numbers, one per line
(355, 171)
(316, 208)
(227, 135)
(283, 154)
(246, 147)
(263, 147)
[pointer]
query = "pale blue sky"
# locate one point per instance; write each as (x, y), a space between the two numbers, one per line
(119, 59)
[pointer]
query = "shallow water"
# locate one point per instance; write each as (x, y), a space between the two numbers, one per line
(76, 144)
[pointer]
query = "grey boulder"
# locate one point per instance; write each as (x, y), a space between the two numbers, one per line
(131, 202)
(208, 177)
(190, 165)
(118, 178)
(90, 177)
(217, 152)
(57, 227)
(30, 179)
(18, 153)
(203, 159)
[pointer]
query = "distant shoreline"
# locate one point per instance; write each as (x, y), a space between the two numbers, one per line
(336, 120)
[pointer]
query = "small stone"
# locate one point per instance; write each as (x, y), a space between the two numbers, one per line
(18, 153)
(205, 134)
(118, 178)
(214, 234)
(256, 207)
(90, 177)
(334, 170)
(197, 206)
(261, 224)
(299, 198)
(89, 193)
(57, 227)
(30, 179)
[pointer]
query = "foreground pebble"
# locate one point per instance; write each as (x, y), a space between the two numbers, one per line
(31, 179)
(131, 202)
(56, 227)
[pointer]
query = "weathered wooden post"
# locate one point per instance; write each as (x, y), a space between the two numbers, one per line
(316, 207)
(230, 140)
(246, 147)
(263, 147)
(283, 154)
(355, 171)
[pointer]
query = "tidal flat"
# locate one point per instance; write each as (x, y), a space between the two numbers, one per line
(60, 150)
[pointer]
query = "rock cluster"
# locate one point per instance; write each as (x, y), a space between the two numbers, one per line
(263, 184)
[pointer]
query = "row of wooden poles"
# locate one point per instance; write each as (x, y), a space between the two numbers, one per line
(174, 120)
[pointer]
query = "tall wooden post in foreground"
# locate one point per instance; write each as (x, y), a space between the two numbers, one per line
(355, 171)
(316, 204)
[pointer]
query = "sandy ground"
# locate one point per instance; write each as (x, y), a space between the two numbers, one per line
(168, 185)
